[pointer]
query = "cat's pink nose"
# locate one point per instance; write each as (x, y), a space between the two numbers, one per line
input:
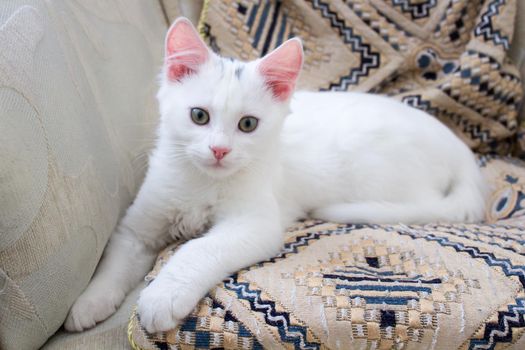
(220, 152)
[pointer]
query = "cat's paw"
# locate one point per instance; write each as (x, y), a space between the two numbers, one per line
(92, 307)
(164, 304)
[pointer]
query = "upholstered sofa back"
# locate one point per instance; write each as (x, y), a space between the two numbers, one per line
(77, 112)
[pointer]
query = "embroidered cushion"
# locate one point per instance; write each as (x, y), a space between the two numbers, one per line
(436, 286)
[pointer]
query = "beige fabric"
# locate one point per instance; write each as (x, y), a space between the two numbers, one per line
(187, 8)
(77, 110)
(110, 334)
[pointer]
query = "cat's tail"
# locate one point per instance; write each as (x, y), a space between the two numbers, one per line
(465, 202)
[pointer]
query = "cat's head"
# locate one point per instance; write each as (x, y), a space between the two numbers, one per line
(220, 114)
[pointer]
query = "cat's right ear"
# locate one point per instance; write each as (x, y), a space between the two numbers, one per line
(185, 50)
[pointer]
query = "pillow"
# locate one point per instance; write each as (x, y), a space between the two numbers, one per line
(77, 85)
(442, 286)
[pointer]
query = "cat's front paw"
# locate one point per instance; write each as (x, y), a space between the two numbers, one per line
(164, 304)
(93, 306)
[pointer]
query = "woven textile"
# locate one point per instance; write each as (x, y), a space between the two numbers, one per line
(445, 57)
(77, 107)
(435, 286)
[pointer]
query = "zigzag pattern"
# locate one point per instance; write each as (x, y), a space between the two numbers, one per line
(207, 338)
(295, 334)
(301, 241)
(494, 333)
(485, 29)
(417, 11)
(376, 25)
(467, 233)
(369, 59)
(489, 258)
(501, 331)
(474, 130)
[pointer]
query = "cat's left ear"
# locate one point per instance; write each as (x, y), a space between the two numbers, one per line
(281, 67)
(185, 50)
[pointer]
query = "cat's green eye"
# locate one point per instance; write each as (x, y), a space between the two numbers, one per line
(200, 116)
(248, 124)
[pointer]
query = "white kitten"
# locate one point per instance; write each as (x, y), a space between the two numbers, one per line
(232, 168)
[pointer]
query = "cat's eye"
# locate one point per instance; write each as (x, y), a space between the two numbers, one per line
(248, 124)
(200, 116)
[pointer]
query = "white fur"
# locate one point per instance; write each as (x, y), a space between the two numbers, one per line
(338, 156)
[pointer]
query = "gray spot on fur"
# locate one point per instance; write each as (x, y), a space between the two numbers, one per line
(448, 189)
(221, 63)
(238, 71)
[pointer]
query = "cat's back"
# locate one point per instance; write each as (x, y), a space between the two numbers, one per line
(345, 127)
(357, 108)
(373, 147)
(360, 117)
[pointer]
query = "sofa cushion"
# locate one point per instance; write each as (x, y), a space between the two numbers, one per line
(77, 112)
(110, 334)
(435, 286)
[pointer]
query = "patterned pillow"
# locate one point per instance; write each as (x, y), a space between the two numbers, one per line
(436, 286)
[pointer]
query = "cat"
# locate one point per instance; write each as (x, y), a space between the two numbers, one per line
(240, 156)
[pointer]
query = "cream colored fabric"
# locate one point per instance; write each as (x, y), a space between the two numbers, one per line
(77, 111)
(110, 334)
(187, 8)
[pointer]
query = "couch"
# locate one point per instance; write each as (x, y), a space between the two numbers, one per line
(77, 118)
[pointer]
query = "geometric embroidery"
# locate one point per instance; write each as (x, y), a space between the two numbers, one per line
(386, 294)
(456, 27)
(485, 28)
(475, 131)
(505, 238)
(211, 327)
(289, 331)
(368, 59)
(226, 330)
(418, 9)
(489, 258)
(259, 26)
(390, 31)
(266, 16)
(501, 330)
(509, 200)
(470, 80)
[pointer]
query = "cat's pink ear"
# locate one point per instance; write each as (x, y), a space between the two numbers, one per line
(281, 67)
(185, 50)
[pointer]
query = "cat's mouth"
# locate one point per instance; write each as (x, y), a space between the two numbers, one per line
(216, 168)
(217, 164)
